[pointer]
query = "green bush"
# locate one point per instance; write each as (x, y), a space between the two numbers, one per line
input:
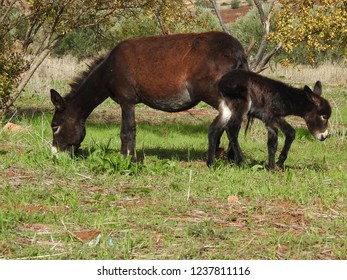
(81, 43)
(205, 20)
(203, 4)
(12, 65)
(247, 28)
(235, 4)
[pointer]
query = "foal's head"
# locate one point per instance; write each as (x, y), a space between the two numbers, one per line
(68, 131)
(319, 113)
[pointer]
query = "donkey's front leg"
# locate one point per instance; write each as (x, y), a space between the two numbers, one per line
(272, 143)
(128, 130)
(289, 133)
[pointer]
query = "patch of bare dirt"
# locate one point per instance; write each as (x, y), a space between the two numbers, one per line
(231, 15)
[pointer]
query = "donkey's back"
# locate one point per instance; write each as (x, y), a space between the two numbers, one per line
(174, 72)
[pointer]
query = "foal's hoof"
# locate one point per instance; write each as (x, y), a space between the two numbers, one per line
(220, 153)
(275, 167)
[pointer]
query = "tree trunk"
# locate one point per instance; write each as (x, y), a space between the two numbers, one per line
(258, 63)
(221, 21)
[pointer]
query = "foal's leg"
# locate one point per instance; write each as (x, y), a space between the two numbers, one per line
(234, 150)
(215, 131)
(289, 133)
(272, 143)
(240, 108)
(128, 130)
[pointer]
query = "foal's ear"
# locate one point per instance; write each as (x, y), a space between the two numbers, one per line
(308, 93)
(307, 89)
(57, 100)
(311, 96)
(318, 88)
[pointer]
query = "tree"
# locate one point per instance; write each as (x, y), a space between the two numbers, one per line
(261, 59)
(320, 24)
(37, 26)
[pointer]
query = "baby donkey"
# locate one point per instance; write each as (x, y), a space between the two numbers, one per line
(271, 101)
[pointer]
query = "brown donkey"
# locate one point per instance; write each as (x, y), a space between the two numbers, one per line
(170, 73)
(271, 101)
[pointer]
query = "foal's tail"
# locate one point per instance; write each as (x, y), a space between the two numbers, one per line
(249, 123)
(233, 91)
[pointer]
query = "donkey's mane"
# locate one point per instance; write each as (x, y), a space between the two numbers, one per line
(76, 83)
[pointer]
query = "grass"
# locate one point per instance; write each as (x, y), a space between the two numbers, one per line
(169, 205)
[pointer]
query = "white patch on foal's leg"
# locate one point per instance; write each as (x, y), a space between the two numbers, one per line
(225, 112)
(249, 105)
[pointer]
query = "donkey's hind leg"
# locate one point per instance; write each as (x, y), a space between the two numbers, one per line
(128, 130)
(289, 133)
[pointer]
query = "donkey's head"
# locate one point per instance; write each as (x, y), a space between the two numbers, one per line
(68, 131)
(317, 116)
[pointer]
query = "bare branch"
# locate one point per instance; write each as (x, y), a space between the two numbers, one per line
(262, 65)
(265, 20)
(215, 7)
(250, 47)
(7, 11)
(27, 76)
(163, 28)
(260, 11)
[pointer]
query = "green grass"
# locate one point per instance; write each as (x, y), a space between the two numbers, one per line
(169, 205)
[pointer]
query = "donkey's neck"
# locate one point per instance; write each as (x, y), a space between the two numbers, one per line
(90, 93)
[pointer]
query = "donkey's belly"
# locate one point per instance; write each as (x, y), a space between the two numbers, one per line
(171, 102)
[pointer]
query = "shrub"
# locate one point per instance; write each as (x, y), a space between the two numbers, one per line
(203, 3)
(235, 4)
(12, 65)
(247, 28)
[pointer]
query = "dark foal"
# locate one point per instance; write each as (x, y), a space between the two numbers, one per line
(170, 73)
(271, 101)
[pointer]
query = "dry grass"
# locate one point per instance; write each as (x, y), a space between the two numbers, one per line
(55, 73)
(330, 74)
(64, 69)
(59, 68)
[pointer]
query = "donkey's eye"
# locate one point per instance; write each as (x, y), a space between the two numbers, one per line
(55, 129)
(324, 117)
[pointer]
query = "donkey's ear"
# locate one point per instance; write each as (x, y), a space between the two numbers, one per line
(57, 100)
(318, 88)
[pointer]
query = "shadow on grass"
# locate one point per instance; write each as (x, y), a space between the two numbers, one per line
(173, 154)
(184, 155)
